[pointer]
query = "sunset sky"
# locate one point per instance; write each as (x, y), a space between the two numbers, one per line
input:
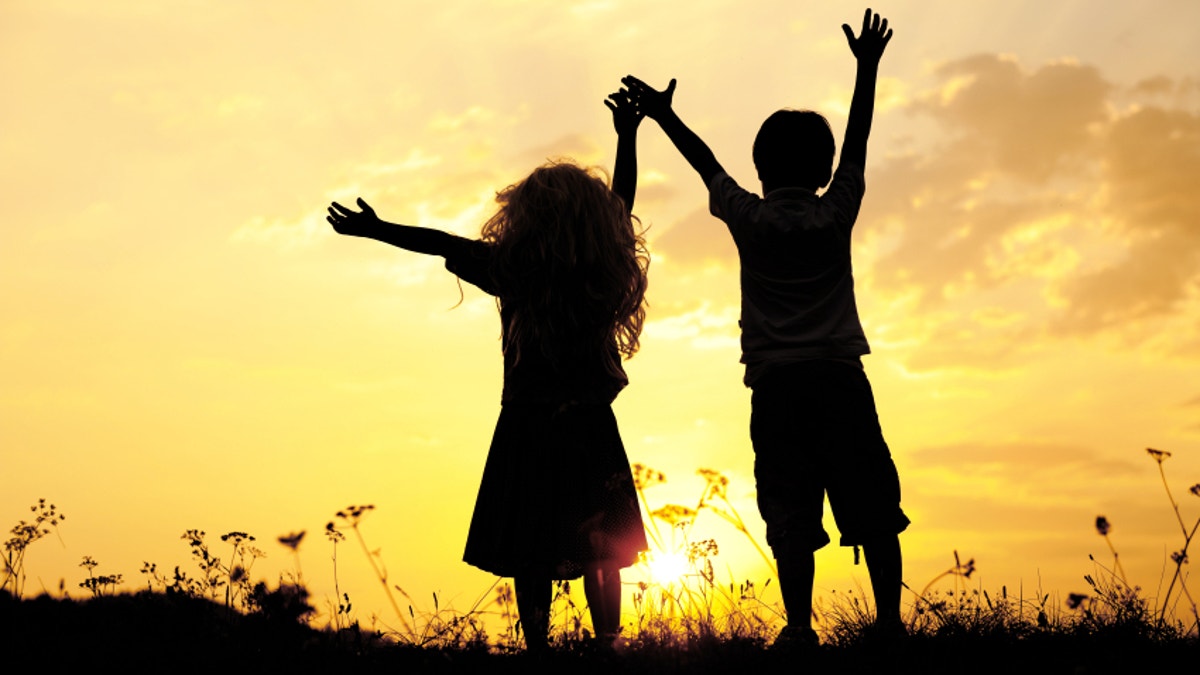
(185, 343)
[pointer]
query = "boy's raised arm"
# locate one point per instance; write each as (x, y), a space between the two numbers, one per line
(626, 118)
(868, 49)
(657, 106)
(366, 224)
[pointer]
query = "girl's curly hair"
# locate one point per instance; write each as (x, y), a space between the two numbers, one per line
(569, 264)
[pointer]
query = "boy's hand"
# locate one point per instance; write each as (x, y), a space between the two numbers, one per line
(353, 223)
(650, 102)
(626, 116)
(869, 45)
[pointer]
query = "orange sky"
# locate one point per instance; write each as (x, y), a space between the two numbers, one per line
(185, 344)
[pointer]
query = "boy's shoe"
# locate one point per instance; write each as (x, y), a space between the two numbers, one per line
(605, 648)
(885, 635)
(796, 639)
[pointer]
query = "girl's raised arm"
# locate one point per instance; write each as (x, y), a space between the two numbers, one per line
(626, 119)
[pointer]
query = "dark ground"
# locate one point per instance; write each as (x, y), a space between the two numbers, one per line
(156, 632)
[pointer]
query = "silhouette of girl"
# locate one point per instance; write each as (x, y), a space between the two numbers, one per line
(568, 269)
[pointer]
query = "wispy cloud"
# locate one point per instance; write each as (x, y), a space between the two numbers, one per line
(1042, 202)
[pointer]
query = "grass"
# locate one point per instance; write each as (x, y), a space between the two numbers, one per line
(215, 616)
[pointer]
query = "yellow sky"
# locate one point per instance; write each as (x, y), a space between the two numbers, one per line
(185, 344)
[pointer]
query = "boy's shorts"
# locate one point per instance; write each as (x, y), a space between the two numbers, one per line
(816, 432)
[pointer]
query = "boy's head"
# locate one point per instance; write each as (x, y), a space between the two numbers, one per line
(794, 148)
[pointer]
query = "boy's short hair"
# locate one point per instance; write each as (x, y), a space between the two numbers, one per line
(794, 148)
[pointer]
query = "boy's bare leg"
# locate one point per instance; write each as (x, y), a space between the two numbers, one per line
(602, 587)
(533, 606)
(796, 574)
(885, 566)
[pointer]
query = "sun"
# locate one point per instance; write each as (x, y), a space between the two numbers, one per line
(666, 567)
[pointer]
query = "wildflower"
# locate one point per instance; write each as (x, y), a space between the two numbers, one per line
(1076, 600)
(644, 476)
(716, 483)
(965, 570)
(1179, 557)
(674, 514)
(504, 594)
(237, 537)
(701, 549)
(293, 540)
(1195, 489)
(1158, 455)
(1102, 525)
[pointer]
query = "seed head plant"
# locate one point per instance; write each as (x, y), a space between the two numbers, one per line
(1180, 557)
(351, 518)
(46, 518)
(98, 586)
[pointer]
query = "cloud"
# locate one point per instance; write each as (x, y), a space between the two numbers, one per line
(703, 327)
(580, 148)
(1026, 124)
(1151, 160)
(697, 240)
(962, 485)
(1040, 199)
(287, 234)
(1014, 459)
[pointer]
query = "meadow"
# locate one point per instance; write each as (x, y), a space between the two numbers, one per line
(216, 615)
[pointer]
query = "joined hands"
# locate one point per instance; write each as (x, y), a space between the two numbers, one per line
(626, 114)
(649, 101)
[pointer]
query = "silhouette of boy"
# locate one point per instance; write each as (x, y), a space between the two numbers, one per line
(813, 422)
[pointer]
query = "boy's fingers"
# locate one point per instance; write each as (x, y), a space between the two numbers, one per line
(670, 87)
(848, 31)
(608, 104)
(364, 206)
(634, 83)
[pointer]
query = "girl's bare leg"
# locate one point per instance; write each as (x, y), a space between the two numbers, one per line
(602, 587)
(533, 606)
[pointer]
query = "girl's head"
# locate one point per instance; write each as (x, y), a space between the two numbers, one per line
(569, 262)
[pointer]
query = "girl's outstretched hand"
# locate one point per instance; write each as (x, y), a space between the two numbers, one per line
(350, 222)
(626, 116)
(874, 37)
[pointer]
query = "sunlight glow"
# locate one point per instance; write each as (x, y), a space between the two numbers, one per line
(667, 568)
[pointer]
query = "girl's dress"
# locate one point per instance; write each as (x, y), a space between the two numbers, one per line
(557, 491)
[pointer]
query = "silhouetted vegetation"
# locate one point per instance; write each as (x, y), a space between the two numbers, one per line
(216, 617)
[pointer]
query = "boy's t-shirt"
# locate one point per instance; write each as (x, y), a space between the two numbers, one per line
(796, 277)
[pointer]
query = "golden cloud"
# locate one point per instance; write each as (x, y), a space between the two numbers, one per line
(1042, 201)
